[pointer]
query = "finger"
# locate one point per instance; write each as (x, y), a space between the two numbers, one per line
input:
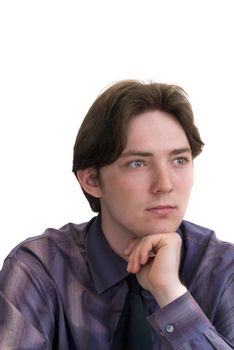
(134, 264)
(132, 242)
(139, 255)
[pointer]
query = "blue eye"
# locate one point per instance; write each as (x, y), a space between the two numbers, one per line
(181, 161)
(136, 164)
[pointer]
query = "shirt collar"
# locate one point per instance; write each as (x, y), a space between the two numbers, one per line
(107, 268)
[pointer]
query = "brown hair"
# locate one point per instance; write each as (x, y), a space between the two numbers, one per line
(102, 135)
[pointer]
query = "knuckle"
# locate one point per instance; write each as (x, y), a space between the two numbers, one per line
(177, 239)
(174, 238)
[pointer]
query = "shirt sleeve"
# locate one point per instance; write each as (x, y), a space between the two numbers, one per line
(182, 325)
(26, 313)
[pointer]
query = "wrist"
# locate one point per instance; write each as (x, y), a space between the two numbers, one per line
(166, 295)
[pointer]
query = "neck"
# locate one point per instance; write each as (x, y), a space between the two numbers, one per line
(116, 237)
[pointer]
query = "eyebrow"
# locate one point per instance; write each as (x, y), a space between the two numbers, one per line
(149, 154)
(181, 150)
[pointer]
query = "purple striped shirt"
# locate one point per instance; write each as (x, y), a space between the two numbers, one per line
(65, 290)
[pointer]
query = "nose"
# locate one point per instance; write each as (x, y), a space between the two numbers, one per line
(161, 180)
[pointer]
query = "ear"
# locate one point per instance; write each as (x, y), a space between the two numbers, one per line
(88, 180)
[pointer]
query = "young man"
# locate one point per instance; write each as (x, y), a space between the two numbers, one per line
(137, 276)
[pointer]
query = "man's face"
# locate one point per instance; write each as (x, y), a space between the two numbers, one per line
(146, 190)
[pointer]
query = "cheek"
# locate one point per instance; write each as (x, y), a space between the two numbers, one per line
(123, 184)
(185, 192)
(122, 194)
(114, 187)
(190, 182)
(185, 181)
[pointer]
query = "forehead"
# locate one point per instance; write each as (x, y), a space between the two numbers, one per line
(155, 129)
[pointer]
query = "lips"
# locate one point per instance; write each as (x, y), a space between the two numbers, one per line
(162, 210)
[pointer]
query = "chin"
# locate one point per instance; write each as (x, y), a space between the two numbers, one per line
(163, 228)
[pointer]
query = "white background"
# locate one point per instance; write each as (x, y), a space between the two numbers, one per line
(55, 58)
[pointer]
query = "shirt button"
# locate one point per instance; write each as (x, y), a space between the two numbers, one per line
(170, 328)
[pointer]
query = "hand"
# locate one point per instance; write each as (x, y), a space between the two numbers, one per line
(155, 259)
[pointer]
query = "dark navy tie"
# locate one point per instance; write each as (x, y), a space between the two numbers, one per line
(133, 331)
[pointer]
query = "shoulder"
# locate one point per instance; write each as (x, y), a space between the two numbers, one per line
(202, 235)
(203, 244)
(69, 240)
(46, 262)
